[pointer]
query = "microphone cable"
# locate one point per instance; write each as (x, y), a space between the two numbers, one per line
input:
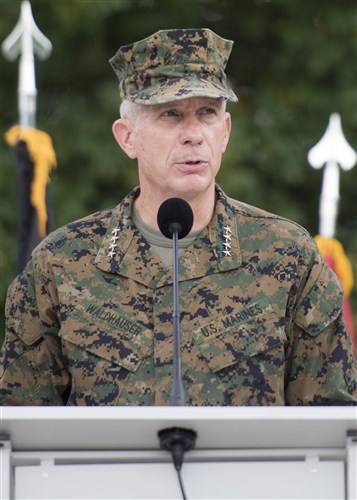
(184, 497)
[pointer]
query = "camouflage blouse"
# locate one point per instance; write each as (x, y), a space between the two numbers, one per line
(89, 321)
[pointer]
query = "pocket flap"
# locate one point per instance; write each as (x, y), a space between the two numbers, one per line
(108, 335)
(249, 339)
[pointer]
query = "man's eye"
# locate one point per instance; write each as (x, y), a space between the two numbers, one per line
(170, 112)
(208, 111)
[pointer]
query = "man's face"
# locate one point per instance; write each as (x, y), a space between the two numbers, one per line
(179, 146)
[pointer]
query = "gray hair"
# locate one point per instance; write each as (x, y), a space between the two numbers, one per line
(130, 110)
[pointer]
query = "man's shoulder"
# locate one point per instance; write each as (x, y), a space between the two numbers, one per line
(249, 214)
(88, 230)
(97, 221)
(271, 233)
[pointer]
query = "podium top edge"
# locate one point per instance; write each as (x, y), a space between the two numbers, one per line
(129, 427)
(171, 413)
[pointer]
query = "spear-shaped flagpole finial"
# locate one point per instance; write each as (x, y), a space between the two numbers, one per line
(333, 151)
(25, 40)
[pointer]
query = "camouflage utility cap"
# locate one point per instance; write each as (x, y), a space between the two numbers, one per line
(174, 64)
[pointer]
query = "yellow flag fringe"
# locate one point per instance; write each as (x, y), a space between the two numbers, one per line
(43, 156)
(334, 253)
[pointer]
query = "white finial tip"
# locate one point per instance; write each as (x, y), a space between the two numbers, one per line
(333, 147)
(26, 27)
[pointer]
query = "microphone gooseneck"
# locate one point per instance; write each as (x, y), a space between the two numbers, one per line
(175, 220)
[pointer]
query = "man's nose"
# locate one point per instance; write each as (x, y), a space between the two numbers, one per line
(191, 131)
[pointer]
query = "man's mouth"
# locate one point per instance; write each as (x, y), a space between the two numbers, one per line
(192, 164)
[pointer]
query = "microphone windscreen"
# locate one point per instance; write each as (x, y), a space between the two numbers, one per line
(175, 213)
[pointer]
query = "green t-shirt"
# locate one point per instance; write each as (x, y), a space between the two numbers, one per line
(159, 242)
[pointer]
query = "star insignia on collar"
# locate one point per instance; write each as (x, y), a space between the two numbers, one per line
(113, 245)
(227, 231)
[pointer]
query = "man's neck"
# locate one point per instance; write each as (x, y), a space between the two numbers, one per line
(202, 207)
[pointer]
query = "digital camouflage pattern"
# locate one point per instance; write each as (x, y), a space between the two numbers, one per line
(174, 64)
(89, 321)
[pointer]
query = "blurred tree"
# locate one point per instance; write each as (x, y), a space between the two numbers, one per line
(292, 65)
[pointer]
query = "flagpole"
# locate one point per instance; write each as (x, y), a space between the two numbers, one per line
(35, 156)
(332, 152)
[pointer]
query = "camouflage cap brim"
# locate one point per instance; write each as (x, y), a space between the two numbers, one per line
(181, 88)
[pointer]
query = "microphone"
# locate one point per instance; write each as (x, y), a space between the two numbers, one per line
(175, 220)
(175, 214)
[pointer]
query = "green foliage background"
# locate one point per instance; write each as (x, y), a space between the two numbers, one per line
(293, 64)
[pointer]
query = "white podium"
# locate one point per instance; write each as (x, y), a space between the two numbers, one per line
(241, 453)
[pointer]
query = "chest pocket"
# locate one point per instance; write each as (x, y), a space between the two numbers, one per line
(108, 335)
(234, 344)
(104, 350)
(248, 360)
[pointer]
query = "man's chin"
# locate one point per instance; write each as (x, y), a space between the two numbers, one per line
(192, 187)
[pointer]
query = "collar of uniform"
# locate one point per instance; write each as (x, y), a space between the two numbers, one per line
(125, 251)
(223, 234)
(215, 250)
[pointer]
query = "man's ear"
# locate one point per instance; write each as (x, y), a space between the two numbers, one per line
(228, 128)
(123, 133)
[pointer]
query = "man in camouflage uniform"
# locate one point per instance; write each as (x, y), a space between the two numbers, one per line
(89, 321)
